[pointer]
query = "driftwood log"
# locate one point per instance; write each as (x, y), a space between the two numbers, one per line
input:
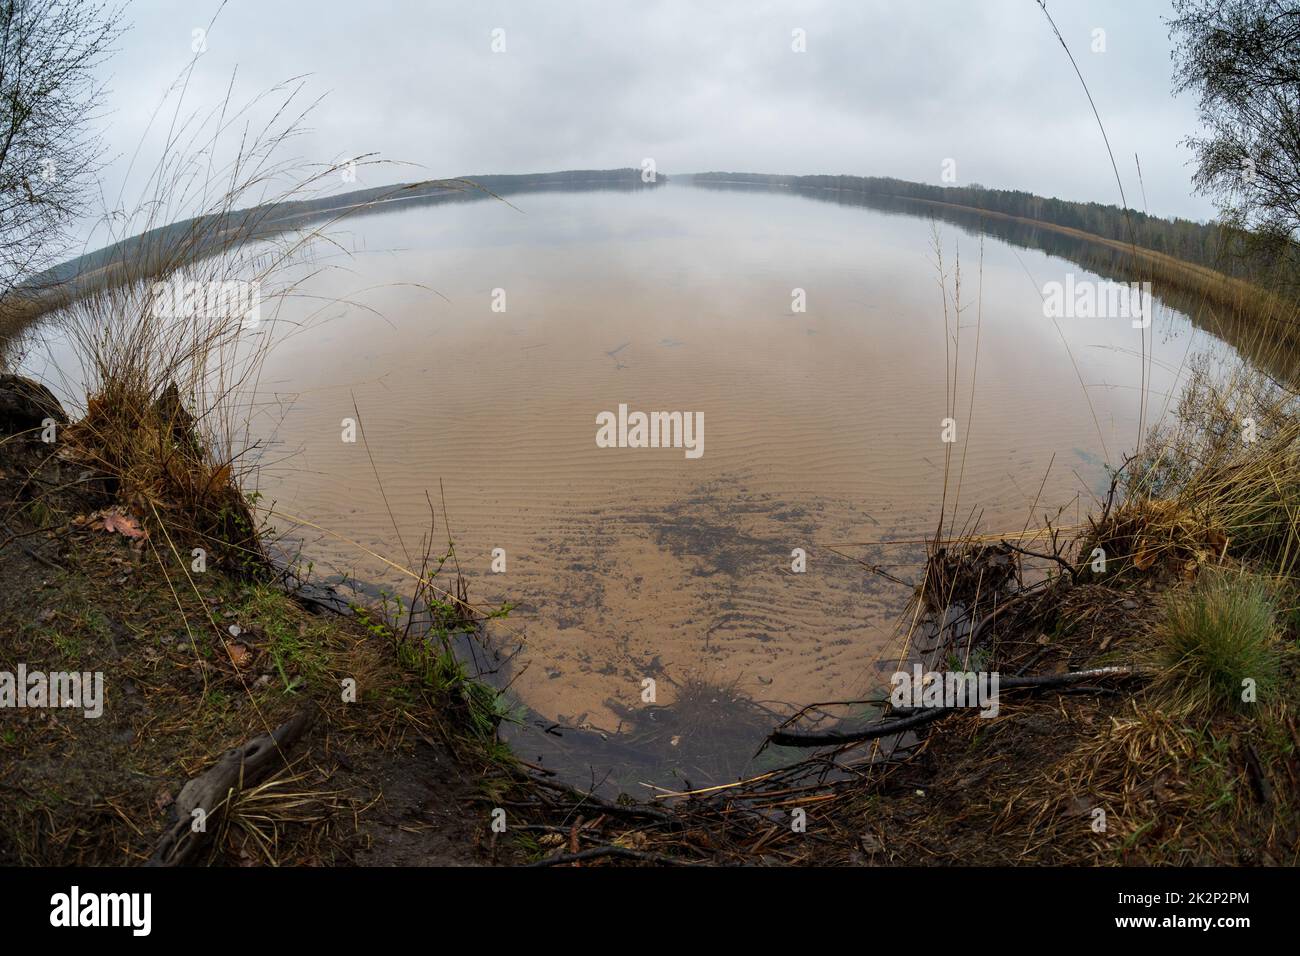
(918, 717)
(237, 769)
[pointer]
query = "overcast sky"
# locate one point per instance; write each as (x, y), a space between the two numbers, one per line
(884, 88)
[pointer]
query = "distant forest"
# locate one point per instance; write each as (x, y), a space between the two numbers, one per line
(1269, 261)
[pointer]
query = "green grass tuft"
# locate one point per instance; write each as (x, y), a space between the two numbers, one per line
(1217, 636)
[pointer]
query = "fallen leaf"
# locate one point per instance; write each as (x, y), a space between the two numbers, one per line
(240, 655)
(633, 839)
(114, 520)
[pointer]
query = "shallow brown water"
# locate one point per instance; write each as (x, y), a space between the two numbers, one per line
(822, 427)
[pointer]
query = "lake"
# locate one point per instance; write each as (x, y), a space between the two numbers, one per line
(480, 342)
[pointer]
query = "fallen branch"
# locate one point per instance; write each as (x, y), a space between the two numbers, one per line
(614, 809)
(917, 718)
(237, 769)
(597, 852)
(26, 549)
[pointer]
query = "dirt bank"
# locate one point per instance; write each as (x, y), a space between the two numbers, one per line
(195, 662)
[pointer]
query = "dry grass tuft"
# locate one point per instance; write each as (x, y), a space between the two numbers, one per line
(258, 819)
(1162, 537)
(1134, 770)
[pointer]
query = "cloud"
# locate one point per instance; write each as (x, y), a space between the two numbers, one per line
(883, 88)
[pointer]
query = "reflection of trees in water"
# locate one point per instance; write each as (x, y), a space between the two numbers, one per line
(1269, 341)
(707, 736)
